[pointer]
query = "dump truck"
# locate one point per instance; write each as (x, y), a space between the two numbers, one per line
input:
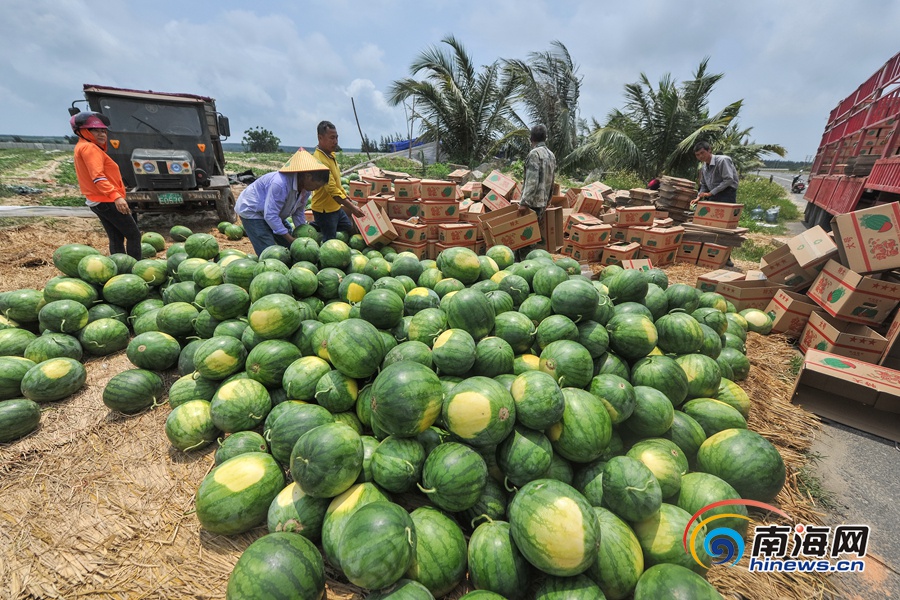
(857, 163)
(168, 148)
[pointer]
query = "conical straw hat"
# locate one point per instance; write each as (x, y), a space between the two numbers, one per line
(302, 162)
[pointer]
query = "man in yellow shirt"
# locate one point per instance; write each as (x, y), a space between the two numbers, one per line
(329, 199)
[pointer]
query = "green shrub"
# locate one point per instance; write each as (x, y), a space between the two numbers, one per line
(623, 180)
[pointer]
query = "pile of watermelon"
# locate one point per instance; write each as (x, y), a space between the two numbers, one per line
(416, 422)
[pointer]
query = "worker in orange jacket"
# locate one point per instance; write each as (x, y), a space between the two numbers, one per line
(101, 183)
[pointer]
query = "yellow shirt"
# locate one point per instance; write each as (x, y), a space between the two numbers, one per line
(323, 198)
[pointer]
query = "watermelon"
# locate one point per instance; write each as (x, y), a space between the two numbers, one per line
(664, 374)
(495, 563)
(53, 345)
(382, 308)
(334, 312)
(132, 391)
(240, 405)
(302, 375)
(287, 425)
(653, 413)
(539, 401)
(227, 301)
(336, 392)
(712, 318)
(414, 351)
(611, 364)
(656, 301)
(620, 560)
(201, 245)
(14, 341)
(96, 268)
(589, 481)
(555, 328)
(427, 325)
(560, 470)
(65, 288)
(185, 291)
(326, 460)
(579, 587)
(493, 357)
(757, 321)
(617, 395)
(631, 336)
(108, 311)
(397, 463)
(21, 306)
(18, 418)
(703, 374)
(12, 370)
(665, 460)
(515, 286)
(239, 443)
(454, 352)
(568, 362)
(628, 286)
(124, 263)
(661, 534)
(479, 411)
(547, 278)
(500, 301)
(155, 272)
(471, 311)
(53, 379)
(632, 308)
(406, 399)
(745, 460)
(453, 477)
(190, 387)
(355, 348)
(67, 257)
(585, 428)
(340, 510)
(630, 489)
(402, 589)
(235, 496)
(687, 435)
(679, 333)
(295, 512)
(280, 565)
(125, 290)
(274, 316)
(668, 581)
(177, 319)
(516, 328)
(712, 342)
(699, 490)
(219, 357)
(460, 263)
(524, 455)
(737, 361)
(186, 269)
(713, 415)
(683, 296)
(189, 426)
(179, 233)
(594, 337)
(439, 561)
(491, 506)
(554, 527)
(378, 545)
(732, 394)
(576, 299)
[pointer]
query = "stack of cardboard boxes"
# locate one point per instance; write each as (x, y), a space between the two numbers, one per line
(719, 215)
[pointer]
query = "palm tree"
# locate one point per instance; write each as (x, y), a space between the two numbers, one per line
(656, 131)
(746, 155)
(548, 87)
(468, 111)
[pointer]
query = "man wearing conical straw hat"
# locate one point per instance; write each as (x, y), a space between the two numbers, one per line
(267, 202)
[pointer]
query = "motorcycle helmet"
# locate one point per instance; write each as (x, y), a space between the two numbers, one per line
(89, 120)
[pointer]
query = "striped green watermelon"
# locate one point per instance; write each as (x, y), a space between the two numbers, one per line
(53, 345)
(537, 308)
(669, 581)
(411, 350)
(589, 480)
(184, 291)
(664, 374)
(190, 387)
(491, 506)
(201, 245)
(236, 495)
(302, 375)
(524, 455)
(713, 415)
(453, 476)
(617, 395)
(66, 288)
(18, 418)
(732, 394)
(653, 412)
(612, 364)
(516, 328)
(661, 534)
(515, 286)
(63, 316)
(471, 311)
(460, 263)
(630, 489)
(239, 443)
(679, 333)
(290, 422)
(620, 560)
(745, 460)
(547, 278)
(687, 435)
(406, 399)
(439, 561)
(14, 341)
(560, 470)
(240, 405)
(500, 301)
(336, 392)
(554, 527)
(495, 562)
(628, 286)
(703, 374)
(125, 290)
(683, 296)
(711, 317)
(576, 299)
(454, 352)
(631, 336)
(580, 587)
(21, 306)
(585, 428)
(132, 391)
(355, 348)
(568, 362)
(219, 357)
(189, 426)
(274, 316)
(538, 399)
(340, 510)
(699, 490)
(108, 311)
(426, 325)
(665, 460)
(53, 379)
(397, 463)
(294, 512)
(382, 308)
(555, 328)
(227, 301)
(279, 566)
(378, 545)
(479, 411)
(67, 257)
(124, 263)
(12, 370)
(96, 268)
(493, 357)
(326, 460)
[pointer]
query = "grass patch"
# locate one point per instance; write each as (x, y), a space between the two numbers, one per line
(623, 180)
(795, 364)
(811, 486)
(752, 251)
(65, 173)
(64, 201)
(14, 159)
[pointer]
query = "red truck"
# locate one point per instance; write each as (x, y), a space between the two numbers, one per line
(858, 160)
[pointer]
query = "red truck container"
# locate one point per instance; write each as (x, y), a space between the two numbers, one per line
(858, 160)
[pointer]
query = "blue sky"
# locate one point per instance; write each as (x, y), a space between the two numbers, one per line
(285, 65)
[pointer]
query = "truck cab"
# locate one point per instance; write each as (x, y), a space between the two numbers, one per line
(168, 148)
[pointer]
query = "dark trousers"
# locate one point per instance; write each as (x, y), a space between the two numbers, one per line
(729, 195)
(122, 230)
(329, 223)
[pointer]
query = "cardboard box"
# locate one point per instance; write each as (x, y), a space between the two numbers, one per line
(710, 282)
(582, 253)
(635, 234)
(494, 201)
(474, 212)
(460, 176)
(892, 352)
(598, 187)
(619, 234)
(588, 201)
(689, 252)
(407, 188)
(660, 256)
(472, 189)
(790, 312)
(869, 239)
(361, 190)
(840, 337)
(457, 234)
(851, 392)
(713, 255)
(443, 211)
(560, 201)
(404, 209)
(615, 254)
(434, 189)
(723, 215)
(662, 237)
(592, 235)
(752, 274)
(410, 232)
(552, 228)
(749, 294)
(781, 267)
(431, 249)
(638, 264)
(500, 183)
(374, 226)
(635, 215)
(576, 218)
(432, 230)
(380, 185)
(668, 222)
(506, 227)
(420, 250)
(381, 200)
(845, 294)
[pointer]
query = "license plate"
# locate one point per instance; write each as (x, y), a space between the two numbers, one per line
(171, 198)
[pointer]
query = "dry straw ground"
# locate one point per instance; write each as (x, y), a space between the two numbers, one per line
(98, 505)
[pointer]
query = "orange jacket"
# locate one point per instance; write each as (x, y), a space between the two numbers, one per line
(98, 175)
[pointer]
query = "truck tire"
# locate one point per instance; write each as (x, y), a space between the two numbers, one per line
(225, 207)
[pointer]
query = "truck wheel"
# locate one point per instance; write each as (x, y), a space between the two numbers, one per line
(225, 207)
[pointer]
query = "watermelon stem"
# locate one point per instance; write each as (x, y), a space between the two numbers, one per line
(157, 403)
(481, 516)
(425, 490)
(199, 444)
(409, 537)
(507, 486)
